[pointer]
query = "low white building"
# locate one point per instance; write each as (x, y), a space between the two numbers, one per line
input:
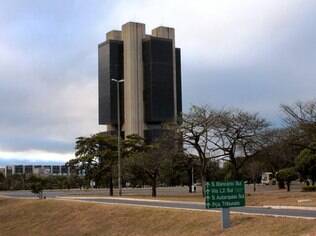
(41, 170)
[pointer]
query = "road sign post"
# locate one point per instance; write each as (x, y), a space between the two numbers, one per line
(224, 194)
(225, 218)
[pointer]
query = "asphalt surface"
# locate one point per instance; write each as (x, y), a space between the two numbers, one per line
(308, 214)
(165, 191)
(161, 191)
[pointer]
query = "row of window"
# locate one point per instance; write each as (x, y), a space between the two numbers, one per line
(37, 169)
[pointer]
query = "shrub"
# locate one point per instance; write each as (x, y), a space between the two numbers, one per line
(306, 164)
(309, 189)
(287, 175)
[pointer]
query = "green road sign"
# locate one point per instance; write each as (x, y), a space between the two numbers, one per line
(224, 194)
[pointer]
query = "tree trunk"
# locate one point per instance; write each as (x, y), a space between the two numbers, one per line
(154, 187)
(235, 174)
(189, 171)
(111, 185)
(281, 184)
(254, 186)
(288, 184)
(203, 182)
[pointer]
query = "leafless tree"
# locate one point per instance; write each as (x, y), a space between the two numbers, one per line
(300, 119)
(231, 135)
(237, 136)
(196, 130)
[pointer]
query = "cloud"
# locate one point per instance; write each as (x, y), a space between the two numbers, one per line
(31, 157)
(248, 54)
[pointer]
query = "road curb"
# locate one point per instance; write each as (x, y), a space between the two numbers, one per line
(133, 199)
(186, 202)
(289, 207)
(76, 199)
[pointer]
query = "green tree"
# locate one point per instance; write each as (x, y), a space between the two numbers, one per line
(97, 155)
(306, 164)
(277, 152)
(287, 175)
(37, 186)
(149, 159)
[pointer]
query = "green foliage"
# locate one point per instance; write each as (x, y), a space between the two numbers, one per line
(306, 164)
(37, 185)
(19, 182)
(97, 156)
(287, 175)
(148, 161)
(309, 189)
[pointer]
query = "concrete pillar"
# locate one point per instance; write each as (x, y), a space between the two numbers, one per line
(132, 35)
(168, 33)
(114, 35)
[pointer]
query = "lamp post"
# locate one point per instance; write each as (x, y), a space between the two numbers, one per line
(118, 135)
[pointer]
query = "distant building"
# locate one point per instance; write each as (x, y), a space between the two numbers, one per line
(41, 170)
(150, 66)
(2, 170)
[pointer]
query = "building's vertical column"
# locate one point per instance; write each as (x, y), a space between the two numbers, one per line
(168, 33)
(114, 35)
(132, 35)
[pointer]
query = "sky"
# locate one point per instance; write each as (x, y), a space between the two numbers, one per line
(249, 54)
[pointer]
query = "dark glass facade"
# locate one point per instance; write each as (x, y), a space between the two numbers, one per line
(64, 170)
(48, 169)
(18, 169)
(56, 169)
(151, 135)
(28, 170)
(159, 96)
(158, 80)
(110, 67)
(178, 80)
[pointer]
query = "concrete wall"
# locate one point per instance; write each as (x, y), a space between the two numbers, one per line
(133, 34)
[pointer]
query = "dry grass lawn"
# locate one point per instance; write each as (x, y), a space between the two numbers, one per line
(255, 199)
(53, 217)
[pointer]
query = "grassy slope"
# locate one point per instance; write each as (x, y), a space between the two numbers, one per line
(53, 217)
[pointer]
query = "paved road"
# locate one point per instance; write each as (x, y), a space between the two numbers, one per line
(161, 191)
(308, 214)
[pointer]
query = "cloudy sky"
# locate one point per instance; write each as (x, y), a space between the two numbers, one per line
(248, 54)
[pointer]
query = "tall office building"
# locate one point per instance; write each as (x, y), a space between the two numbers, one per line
(150, 66)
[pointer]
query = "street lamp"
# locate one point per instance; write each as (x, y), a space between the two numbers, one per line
(118, 134)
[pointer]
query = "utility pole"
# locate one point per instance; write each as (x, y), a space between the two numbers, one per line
(192, 180)
(118, 135)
